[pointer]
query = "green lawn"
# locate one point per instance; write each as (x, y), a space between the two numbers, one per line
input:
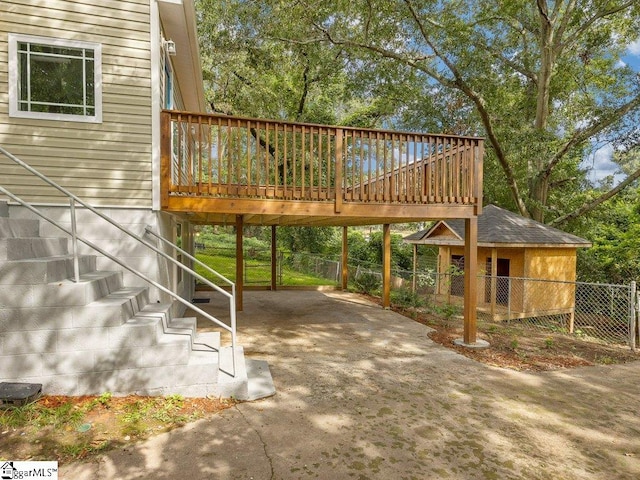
(258, 272)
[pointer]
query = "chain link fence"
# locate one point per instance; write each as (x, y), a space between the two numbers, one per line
(594, 311)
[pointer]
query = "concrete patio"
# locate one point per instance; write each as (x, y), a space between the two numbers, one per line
(363, 393)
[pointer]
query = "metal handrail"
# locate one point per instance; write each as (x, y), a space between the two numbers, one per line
(73, 199)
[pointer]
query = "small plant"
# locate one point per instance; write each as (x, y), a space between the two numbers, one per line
(514, 344)
(404, 297)
(103, 400)
(605, 360)
(367, 282)
(549, 343)
(448, 310)
(132, 420)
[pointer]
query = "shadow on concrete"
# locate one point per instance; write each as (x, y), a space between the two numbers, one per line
(364, 393)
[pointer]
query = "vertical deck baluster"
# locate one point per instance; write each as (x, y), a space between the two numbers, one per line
(328, 160)
(303, 159)
(249, 159)
(267, 164)
(312, 190)
(190, 145)
(284, 160)
(276, 161)
(200, 156)
(436, 171)
(208, 147)
(379, 183)
(320, 163)
(393, 182)
(294, 162)
(369, 166)
(179, 153)
(405, 185)
(421, 173)
(361, 163)
(467, 160)
(229, 155)
(220, 151)
(453, 160)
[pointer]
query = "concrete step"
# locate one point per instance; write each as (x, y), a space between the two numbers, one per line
(232, 384)
(92, 286)
(43, 270)
(35, 247)
(18, 227)
(112, 310)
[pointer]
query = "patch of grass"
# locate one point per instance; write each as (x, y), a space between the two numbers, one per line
(38, 415)
(66, 428)
(257, 272)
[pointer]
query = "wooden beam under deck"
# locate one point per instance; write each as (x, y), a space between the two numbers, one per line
(223, 211)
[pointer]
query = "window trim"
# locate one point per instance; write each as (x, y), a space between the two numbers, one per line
(14, 111)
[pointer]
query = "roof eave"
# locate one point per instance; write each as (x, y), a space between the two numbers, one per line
(178, 18)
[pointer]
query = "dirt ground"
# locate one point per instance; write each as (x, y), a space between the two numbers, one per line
(521, 348)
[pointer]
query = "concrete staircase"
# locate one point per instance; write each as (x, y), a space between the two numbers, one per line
(97, 335)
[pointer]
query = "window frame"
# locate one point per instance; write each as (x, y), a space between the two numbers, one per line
(14, 67)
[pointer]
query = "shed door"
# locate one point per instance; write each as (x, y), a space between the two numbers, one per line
(457, 280)
(502, 282)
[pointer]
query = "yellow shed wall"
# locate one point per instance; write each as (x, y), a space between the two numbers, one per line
(527, 296)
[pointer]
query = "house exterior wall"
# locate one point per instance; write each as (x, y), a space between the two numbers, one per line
(112, 165)
(107, 163)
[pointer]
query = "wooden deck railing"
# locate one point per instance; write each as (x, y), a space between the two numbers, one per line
(221, 156)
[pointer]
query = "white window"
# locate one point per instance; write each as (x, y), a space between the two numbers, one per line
(55, 79)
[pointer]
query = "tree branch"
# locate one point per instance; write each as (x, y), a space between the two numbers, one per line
(577, 34)
(582, 135)
(590, 205)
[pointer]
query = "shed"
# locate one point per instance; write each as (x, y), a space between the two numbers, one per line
(526, 268)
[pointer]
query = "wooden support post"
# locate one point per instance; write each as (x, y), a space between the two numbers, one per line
(494, 280)
(345, 258)
(470, 280)
(415, 262)
(239, 262)
(386, 266)
(274, 259)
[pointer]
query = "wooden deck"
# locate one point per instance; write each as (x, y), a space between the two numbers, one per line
(216, 167)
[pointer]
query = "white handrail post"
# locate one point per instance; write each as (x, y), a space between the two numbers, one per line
(74, 240)
(232, 315)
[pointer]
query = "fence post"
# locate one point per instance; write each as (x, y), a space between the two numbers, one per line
(509, 299)
(632, 316)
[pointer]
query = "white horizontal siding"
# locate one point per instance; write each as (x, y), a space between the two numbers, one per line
(107, 163)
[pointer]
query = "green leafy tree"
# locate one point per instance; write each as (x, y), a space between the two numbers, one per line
(540, 79)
